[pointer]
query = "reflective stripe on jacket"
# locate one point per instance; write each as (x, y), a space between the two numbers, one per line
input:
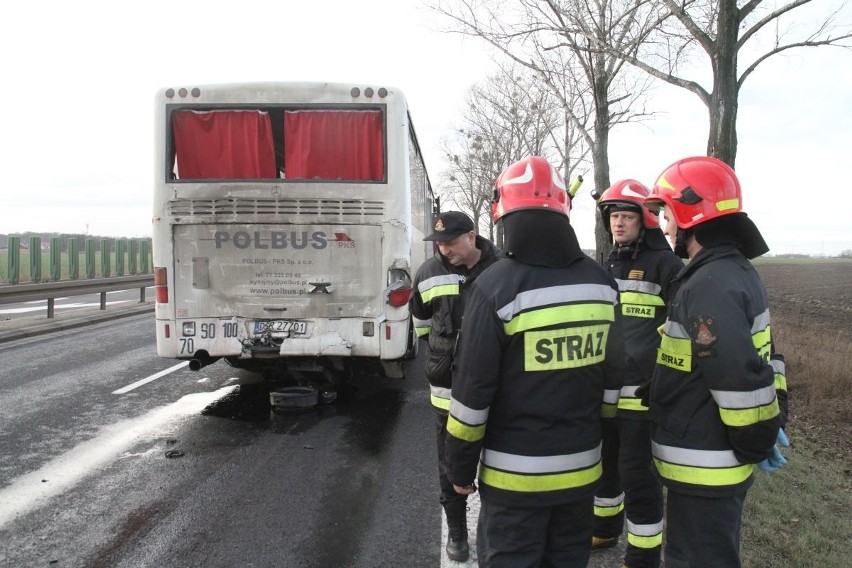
(436, 307)
(644, 280)
(538, 348)
(713, 395)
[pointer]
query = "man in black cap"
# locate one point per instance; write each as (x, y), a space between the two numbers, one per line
(439, 290)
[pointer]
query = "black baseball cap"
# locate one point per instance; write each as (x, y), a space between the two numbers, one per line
(449, 226)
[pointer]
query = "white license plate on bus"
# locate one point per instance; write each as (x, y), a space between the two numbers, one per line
(281, 326)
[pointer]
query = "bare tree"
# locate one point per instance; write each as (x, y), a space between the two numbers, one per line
(464, 182)
(554, 39)
(507, 117)
(723, 31)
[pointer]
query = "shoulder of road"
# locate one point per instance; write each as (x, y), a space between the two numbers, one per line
(20, 328)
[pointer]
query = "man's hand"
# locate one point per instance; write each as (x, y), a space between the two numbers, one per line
(643, 393)
(465, 489)
(776, 461)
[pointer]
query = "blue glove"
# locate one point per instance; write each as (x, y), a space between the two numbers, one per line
(776, 461)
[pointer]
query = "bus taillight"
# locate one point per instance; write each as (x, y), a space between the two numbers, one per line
(398, 298)
(161, 288)
(399, 290)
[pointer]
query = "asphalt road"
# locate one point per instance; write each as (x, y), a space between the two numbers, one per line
(85, 477)
(194, 469)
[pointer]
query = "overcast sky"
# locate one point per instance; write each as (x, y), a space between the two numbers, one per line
(79, 80)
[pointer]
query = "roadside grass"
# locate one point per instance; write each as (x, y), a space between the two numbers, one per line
(799, 516)
(819, 367)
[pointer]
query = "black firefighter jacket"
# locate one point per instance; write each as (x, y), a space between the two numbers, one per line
(713, 400)
(537, 349)
(437, 306)
(644, 278)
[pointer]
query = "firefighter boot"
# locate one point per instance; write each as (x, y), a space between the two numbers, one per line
(457, 547)
(600, 543)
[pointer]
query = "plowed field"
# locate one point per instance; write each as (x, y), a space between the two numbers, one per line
(809, 293)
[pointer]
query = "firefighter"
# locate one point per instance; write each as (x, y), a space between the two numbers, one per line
(440, 287)
(718, 396)
(643, 265)
(539, 345)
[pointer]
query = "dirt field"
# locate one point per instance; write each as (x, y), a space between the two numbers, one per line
(810, 293)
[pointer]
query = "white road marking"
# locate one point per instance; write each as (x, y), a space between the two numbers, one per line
(35, 489)
(472, 518)
(153, 377)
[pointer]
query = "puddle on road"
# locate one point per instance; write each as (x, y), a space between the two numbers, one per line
(349, 505)
(373, 418)
(251, 403)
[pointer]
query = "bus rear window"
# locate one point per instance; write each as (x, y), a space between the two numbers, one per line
(223, 144)
(332, 144)
(296, 144)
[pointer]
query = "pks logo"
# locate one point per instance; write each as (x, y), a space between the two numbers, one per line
(343, 240)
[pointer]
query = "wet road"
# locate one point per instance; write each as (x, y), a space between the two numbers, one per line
(85, 477)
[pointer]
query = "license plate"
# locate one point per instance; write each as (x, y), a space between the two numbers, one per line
(281, 326)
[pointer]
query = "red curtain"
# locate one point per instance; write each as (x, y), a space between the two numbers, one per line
(331, 144)
(223, 144)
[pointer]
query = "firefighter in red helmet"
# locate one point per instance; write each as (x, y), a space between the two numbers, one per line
(718, 394)
(644, 266)
(539, 345)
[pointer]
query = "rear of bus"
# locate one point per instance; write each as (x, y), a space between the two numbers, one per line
(288, 221)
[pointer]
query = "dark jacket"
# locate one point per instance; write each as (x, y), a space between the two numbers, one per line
(538, 347)
(644, 273)
(713, 396)
(437, 307)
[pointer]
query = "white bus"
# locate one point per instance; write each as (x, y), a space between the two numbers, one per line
(288, 222)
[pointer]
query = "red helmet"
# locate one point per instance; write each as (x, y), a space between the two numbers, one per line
(627, 194)
(696, 190)
(531, 183)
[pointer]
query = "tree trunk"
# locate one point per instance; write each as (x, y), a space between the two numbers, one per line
(722, 138)
(600, 156)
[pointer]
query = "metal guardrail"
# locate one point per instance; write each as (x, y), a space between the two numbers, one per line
(12, 293)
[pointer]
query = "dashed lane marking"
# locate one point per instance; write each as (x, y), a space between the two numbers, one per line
(153, 377)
